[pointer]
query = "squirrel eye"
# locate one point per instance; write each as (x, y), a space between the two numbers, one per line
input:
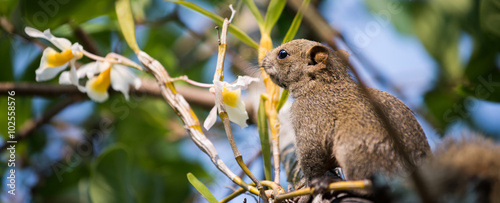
(283, 54)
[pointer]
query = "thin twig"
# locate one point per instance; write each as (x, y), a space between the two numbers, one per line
(186, 114)
(273, 95)
(124, 61)
(336, 186)
(251, 161)
(219, 76)
(95, 57)
(276, 190)
(195, 83)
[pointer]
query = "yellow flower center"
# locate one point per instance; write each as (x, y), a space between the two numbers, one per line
(231, 98)
(102, 82)
(57, 59)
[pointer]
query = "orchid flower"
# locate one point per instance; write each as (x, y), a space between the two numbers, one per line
(231, 97)
(102, 75)
(54, 61)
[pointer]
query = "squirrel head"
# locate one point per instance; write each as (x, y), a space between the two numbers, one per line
(300, 63)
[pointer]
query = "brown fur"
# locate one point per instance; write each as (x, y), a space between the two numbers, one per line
(467, 170)
(334, 123)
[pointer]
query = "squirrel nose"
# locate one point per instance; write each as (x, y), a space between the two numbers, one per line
(264, 63)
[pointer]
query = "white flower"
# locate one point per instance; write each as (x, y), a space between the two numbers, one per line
(53, 61)
(117, 76)
(72, 77)
(231, 96)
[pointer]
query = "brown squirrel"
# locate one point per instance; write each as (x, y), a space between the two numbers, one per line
(334, 123)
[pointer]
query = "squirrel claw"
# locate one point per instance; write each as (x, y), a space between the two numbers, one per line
(320, 185)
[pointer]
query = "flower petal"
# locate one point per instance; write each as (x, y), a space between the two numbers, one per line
(73, 77)
(64, 78)
(44, 72)
(237, 114)
(122, 78)
(32, 32)
(231, 98)
(243, 82)
(89, 69)
(137, 83)
(77, 50)
(211, 118)
(94, 94)
(60, 43)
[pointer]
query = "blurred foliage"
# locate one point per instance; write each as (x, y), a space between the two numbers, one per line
(441, 25)
(137, 159)
(110, 177)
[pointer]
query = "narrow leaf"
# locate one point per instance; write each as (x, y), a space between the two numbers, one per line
(255, 11)
(198, 185)
(110, 177)
(283, 98)
(296, 22)
(264, 137)
(273, 14)
(219, 20)
(126, 21)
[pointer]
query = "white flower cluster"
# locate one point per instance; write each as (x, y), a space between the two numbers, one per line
(100, 74)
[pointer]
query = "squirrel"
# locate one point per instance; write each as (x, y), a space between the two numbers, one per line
(335, 124)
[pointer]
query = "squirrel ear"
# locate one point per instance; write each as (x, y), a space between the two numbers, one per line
(317, 54)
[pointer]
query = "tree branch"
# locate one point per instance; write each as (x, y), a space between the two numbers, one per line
(29, 126)
(194, 95)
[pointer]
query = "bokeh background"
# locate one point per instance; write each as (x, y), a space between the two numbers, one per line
(440, 57)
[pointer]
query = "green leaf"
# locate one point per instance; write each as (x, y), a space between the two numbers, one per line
(489, 14)
(21, 114)
(201, 188)
(396, 12)
(430, 22)
(7, 49)
(255, 11)
(482, 71)
(296, 22)
(126, 20)
(273, 14)
(219, 20)
(139, 9)
(7, 7)
(264, 137)
(90, 28)
(283, 98)
(444, 106)
(52, 14)
(109, 177)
